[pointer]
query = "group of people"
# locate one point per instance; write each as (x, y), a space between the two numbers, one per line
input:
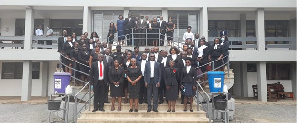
(139, 31)
(143, 76)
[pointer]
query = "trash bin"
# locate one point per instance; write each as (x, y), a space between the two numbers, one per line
(61, 81)
(216, 81)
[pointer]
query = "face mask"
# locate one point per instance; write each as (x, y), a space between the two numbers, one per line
(222, 39)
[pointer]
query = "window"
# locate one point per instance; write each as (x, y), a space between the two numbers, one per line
(14, 70)
(71, 25)
(216, 26)
(278, 71)
(250, 28)
(251, 67)
(20, 27)
(277, 28)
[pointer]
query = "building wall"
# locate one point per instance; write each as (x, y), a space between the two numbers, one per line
(252, 80)
(7, 27)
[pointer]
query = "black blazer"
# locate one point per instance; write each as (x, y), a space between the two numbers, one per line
(163, 26)
(83, 56)
(171, 76)
(188, 77)
(215, 53)
(225, 48)
(94, 73)
(116, 76)
(157, 73)
(60, 44)
(67, 49)
(169, 58)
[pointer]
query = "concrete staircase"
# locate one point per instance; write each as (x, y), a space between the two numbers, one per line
(142, 116)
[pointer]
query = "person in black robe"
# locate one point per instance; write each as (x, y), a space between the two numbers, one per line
(171, 78)
(116, 79)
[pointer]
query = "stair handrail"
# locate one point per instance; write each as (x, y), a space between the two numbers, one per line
(75, 113)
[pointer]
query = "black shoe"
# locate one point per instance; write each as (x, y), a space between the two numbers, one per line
(182, 102)
(130, 110)
(140, 102)
(159, 102)
(149, 110)
(168, 110)
(106, 102)
(155, 110)
(173, 110)
(135, 110)
(94, 110)
(191, 110)
(102, 110)
(184, 110)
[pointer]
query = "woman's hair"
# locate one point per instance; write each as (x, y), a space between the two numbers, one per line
(176, 50)
(111, 23)
(93, 34)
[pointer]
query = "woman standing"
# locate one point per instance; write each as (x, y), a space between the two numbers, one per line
(216, 54)
(173, 56)
(170, 31)
(134, 75)
(111, 33)
(188, 83)
(126, 65)
(94, 36)
(171, 77)
(115, 76)
(83, 57)
(74, 37)
(149, 35)
(225, 44)
(155, 30)
(120, 28)
(202, 58)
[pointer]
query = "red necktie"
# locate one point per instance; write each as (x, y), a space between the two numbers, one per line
(100, 69)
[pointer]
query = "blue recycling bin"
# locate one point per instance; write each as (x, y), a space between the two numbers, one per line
(61, 81)
(216, 81)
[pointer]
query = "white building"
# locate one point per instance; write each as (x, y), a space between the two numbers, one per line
(266, 30)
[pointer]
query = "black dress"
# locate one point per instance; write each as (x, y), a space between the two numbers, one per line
(83, 57)
(171, 77)
(116, 76)
(155, 30)
(111, 35)
(170, 32)
(188, 81)
(216, 52)
(133, 74)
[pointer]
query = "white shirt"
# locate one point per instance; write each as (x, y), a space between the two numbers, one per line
(191, 56)
(91, 46)
(143, 63)
(196, 43)
(183, 62)
(200, 50)
(127, 63)
(147, 56)
(73, 40)
(147, 22)
(101, 77)
(49, 32)
(187, 35)
(164, 61)
(142, 21)
(39, 32)
(156, 56)
(160, 22)
(174, 56)
(152, 69)
(65, 39)
(150, 25)
(188, 68)
(216, 46)
(70, 44)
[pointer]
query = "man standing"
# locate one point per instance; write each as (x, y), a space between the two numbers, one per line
(163, 65)
(98, 77)
(136, 54)
(118, 55)
(39, 32)
(163, 27)
(141, 27)
(49, 33)
(158, 57)
(143, 90)
(152, 82)
(109, 61)
(197, 40)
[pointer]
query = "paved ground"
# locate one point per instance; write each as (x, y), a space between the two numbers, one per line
(247, 111)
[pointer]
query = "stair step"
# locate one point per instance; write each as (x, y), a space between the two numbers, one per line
(145, 120)
(144, 106)
(141, 114)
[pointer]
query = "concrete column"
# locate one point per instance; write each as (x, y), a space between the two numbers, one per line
(237, 87)
(243, 27)
(245, 83)
(204, 22)
(26, 81)
(126, 12)
(262, 81)
(164, 14)
(29, 22)
(87, 20)
(293, 30)
(46, 24)
(260, 29)
(293, 73)
(45, 78)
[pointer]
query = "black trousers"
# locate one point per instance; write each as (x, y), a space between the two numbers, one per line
(106, 93)
(152, 90)
(99, 95)
(143, 91)
(162, 37)
(162, 90)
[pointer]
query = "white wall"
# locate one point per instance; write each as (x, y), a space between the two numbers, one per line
(252, 80)
(52, 69)
(7, 27)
